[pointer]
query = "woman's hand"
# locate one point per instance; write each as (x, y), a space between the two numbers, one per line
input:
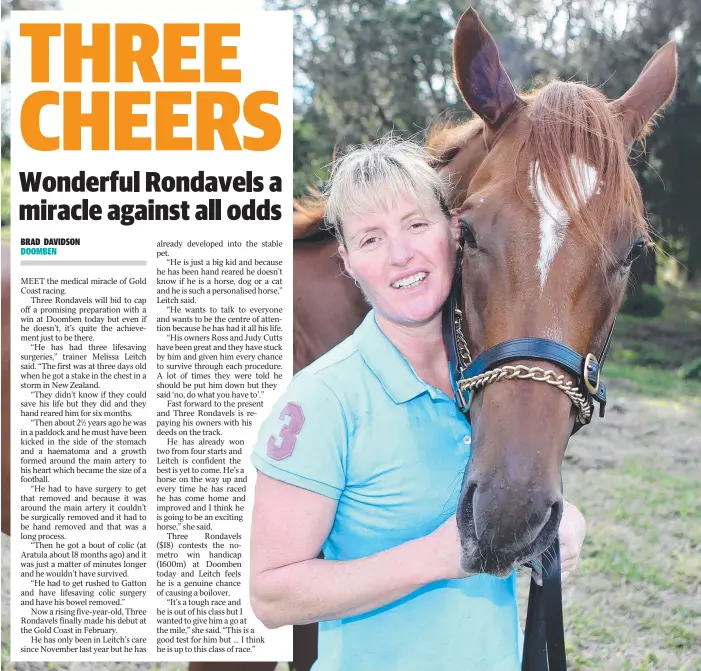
(571, 534)
(446, 550)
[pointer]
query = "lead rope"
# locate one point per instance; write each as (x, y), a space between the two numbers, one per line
(544, 637)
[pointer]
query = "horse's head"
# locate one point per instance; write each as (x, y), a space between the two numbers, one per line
(552, 218)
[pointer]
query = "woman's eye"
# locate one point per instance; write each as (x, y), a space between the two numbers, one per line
(419, 224)
(636, 250)
(467, 233)
(368, 241)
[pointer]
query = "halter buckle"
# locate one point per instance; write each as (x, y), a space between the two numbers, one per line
(457, 391)
(592, 389)
(463, 398)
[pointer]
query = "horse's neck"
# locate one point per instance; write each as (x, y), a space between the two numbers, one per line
(328, 306)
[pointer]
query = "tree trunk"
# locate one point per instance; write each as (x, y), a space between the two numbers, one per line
(693, 262)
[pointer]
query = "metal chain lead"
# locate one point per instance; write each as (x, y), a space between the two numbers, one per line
(463, 349)
(583, 404)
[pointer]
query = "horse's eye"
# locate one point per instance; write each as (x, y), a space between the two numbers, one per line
(444, 158)
(636, 251)
(467, 233)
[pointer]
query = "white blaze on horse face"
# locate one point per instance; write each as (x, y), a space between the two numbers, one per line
(552, 214)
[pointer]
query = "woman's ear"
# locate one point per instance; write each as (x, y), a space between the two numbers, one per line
(346, 262)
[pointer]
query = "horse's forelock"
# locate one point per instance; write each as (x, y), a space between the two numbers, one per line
(573, 120)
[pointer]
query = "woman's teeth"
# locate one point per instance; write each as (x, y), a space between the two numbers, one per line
(409, 281)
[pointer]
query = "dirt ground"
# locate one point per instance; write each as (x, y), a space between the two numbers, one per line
(635, 603)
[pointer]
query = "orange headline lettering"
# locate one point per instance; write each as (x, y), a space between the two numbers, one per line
(157, 57)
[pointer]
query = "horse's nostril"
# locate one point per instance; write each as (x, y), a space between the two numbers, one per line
(470, 494)
(479, 511)
(556, 510)
(465, 509)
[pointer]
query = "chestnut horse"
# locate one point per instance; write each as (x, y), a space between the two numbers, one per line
(552, 218)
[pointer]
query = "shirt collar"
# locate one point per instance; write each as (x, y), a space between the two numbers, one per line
(387, 363)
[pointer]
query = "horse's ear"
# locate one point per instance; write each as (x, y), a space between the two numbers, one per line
(650, 93)
(482, 80)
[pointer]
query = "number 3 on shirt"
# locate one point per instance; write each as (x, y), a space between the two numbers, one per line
(288, 432)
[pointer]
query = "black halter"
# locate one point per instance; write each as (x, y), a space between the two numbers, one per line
(585, 369)
(544, 641)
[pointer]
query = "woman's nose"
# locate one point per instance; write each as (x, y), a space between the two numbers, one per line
(400, 251)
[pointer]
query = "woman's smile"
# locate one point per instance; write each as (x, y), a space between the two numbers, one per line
(410, 281)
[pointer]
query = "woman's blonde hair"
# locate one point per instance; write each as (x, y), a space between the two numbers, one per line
(373, 177)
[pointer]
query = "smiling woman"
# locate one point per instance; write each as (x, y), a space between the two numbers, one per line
(388, 209)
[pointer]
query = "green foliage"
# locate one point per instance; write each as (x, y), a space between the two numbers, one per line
(692, 370)
(654, 354)
(369, 67)
(311, 156)
(646, 302)
(650, 351)
(5, 655)
(654, 381)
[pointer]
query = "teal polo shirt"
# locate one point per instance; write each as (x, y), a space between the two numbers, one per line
(360, 427)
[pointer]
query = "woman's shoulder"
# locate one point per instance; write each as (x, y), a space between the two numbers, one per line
(342, 362)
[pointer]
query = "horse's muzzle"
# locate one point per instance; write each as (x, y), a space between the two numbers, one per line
(500, 530)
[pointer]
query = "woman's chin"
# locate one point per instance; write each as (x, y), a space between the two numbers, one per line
(416, 315)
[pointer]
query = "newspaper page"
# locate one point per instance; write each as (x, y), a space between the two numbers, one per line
(151, 324)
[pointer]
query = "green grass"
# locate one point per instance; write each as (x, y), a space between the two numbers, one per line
(680, 637)
(611, 556)
(642, 567)
(687, 613)
(649, 352)
(666, 341)
(651, 662)
(645, 507)
(653, 381)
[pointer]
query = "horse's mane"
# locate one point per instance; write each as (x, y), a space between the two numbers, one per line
(445, 138)
(571, 119)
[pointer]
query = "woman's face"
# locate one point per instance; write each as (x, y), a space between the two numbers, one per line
(403, 260)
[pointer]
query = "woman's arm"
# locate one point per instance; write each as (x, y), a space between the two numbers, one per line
(289, 585)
